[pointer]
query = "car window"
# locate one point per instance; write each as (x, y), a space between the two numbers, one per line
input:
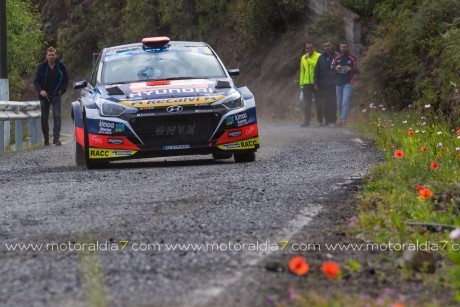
(140, 65)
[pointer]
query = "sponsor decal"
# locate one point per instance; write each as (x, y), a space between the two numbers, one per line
(241, 119)
(174, 109)
(99, 153)
(233, 134)
(153, 103)
(96, 139)
(176, 130)
(229, 120)
(119, 127)
(203, 110)
(106, 127)
(115, 141)
(236, 134)
(175, 147)
(145, 114)
(241, 145)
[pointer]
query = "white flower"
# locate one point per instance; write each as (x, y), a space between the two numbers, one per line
(383, 109)
(404, 122)
(381, 105)
(440, 145)
(439, 132)
(455, 234)
(423, 131)
(423, 124)
(364, 110)
(427, 106)
(417, 131)
(457, 148)
(458, 137)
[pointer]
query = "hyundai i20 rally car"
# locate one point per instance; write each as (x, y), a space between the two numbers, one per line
(162, 98)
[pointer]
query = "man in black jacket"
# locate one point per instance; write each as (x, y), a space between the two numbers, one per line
(325, 83)
(51, 82)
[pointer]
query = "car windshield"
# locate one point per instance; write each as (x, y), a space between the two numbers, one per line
(127, 66)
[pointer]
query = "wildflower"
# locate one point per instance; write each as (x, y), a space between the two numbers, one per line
(417, 131)
(383, 109)
(425, 193)
(398, 305)
(438, 156)
(458, 132)
(331, 269)
(439, 132)
(457, 148)
(404, 122)
(439, 145)
(411, 132)
(299, 266)
(352, 222)
(372, 123)
(455, 234)
(427, 106)
(423, 131)
(399, 154)
(419, 188)
(364, 110)
(434, 166)
(423, 148)
(423, 124)
(458, 137)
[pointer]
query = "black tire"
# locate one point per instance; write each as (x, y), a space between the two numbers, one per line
(221, 156)
(90, 164)
(245, 157)
(79, 153)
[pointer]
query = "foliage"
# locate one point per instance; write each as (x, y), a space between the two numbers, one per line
(409, 61)
(25, 42)
(421, 185)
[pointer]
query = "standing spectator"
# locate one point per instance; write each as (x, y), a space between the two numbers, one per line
(51, 82)
(325, 83)
(307, 70)
(345, 66)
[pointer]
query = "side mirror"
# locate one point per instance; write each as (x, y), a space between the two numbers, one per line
(80, 84)
(233, 72)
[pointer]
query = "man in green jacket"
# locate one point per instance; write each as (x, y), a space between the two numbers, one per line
(307, 80)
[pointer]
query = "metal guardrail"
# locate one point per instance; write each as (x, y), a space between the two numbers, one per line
(23, 114)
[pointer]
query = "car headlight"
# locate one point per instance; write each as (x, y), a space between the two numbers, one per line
(110, 108)
(233, 101)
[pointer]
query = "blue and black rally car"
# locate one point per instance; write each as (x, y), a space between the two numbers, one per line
(162, 98)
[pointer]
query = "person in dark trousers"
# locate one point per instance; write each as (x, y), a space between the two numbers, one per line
(325, 83)
(51, 82)
(307, 69)
(345, 67)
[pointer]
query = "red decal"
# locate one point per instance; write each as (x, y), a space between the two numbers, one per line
(237, 134)
(110, 141)
(79, 136)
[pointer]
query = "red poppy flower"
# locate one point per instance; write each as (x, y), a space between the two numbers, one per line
(331, 269)
(458, 132)
(425, 193)
(411, 132)
(419, 188)
(423, 148)
(399, 154)
(434, 166)
(299, 266)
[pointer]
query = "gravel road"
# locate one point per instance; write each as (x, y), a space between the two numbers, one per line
(237, 214)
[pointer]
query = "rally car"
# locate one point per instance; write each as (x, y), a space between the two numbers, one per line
(162, 98)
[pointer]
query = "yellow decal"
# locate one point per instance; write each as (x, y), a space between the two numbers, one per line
(150, 104)
(98, 153)
(240, 145)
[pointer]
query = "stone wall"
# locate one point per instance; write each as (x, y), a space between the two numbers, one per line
(350, 19)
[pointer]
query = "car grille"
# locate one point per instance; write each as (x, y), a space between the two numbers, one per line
(175, 130)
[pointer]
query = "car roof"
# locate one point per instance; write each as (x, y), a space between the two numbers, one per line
(170, 44)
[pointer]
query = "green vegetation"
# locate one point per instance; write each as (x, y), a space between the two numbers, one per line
(25, 42)
(408, 60)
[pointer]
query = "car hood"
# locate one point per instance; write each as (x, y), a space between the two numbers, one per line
(168, 89)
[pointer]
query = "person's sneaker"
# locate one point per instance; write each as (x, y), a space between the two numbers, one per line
(57, 143)
(46, 143)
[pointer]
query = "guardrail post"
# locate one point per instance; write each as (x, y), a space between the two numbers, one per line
(33, 131)
(2, 138)
(18, 133)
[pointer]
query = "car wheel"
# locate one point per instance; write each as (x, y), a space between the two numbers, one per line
(245, 157)
(221, 156)
(90, 164)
